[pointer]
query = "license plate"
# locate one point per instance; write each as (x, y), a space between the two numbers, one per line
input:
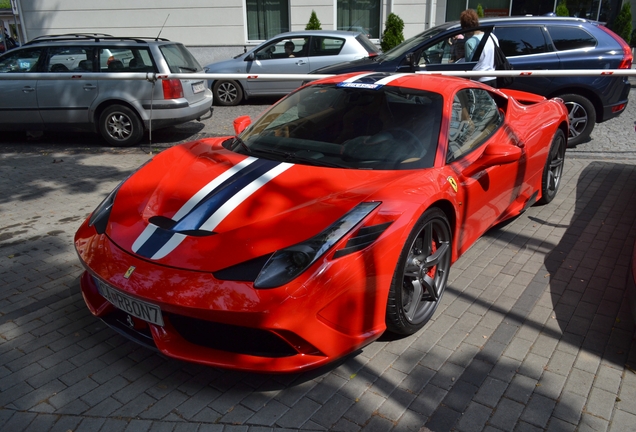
(137, 308)
(198, 87)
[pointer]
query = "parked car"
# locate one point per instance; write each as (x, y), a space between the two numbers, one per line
(334, 217)
(530, 43)
(120, 110)
(310, 50)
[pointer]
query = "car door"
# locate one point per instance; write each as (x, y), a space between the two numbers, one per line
(527, 47)
(274, 59)
(486, 192)
(324, 51)
(18, 103)
(446, 52)
(67, 101)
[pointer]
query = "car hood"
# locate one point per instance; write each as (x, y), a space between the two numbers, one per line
(199, 206)
(225, 65)
(364, 64)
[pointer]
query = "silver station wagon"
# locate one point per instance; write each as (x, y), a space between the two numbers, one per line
(119, 110)
(297, 52)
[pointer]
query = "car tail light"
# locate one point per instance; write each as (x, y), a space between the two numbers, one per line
(626, 63)
(172, 89)
(618, 108)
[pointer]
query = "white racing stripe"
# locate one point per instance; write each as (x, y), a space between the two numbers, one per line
(218, 216)
(205, 190)
(174, 241)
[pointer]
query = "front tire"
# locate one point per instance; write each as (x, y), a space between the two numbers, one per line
(553, 169)
(120, 126)
(421, 274)
(582, 115)
(227, 93)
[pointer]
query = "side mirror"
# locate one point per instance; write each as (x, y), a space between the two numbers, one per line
(410, 60)
(241, 123)
(250, 57)
(494, 154)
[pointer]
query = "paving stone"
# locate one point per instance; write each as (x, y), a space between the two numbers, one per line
(538, 411)
(506, 414)
(569, 407)
(474, 418)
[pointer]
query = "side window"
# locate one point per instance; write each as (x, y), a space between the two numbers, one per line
(125, 60)
(284, 48)
(522, 40)
(475, 116)
(569, 38)
(24, 60)
(449, 50)
(69, 59)
(325, 46)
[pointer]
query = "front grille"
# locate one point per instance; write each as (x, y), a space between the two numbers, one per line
(231, 338)
(118, 322)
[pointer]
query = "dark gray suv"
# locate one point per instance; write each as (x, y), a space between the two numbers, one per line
(120, 110)
(530, 43)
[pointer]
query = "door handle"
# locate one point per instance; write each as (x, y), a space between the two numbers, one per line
(301, 62)
(89, 87)
(27, 89)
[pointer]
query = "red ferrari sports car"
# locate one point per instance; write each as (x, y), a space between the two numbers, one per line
(331, 219)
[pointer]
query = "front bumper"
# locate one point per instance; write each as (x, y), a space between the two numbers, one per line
(338, 308)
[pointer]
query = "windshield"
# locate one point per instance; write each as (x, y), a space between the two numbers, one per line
(383, 128)
(411, 44)
(179, 59)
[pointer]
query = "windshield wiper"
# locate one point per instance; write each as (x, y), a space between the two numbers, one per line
(191, 69)
(242, 144)
(292, 157)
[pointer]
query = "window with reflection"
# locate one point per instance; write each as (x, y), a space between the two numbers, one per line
(359, 15)
(267, 18)
(21, 61)
(475, 116)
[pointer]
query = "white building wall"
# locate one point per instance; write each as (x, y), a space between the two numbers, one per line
(301, 12)
(212, 29)
(193, 22)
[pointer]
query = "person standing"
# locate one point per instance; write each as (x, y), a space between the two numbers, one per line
(486, 62)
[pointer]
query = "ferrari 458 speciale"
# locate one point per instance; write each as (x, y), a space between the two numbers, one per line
(332, 218)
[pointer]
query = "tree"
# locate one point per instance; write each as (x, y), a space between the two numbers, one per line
(314, 23)
(393, 32)
(623, 23)
(562, 9)
(480, 10)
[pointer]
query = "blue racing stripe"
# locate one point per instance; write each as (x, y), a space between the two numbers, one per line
(220, 195)
(156, 241)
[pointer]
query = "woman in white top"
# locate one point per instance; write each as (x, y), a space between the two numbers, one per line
(486, 62)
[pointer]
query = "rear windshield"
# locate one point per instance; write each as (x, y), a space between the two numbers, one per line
(179, 59)
(367, 44)
(569, 38)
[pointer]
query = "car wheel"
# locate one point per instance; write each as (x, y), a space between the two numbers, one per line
(582, 116)
(553, 169)
(421, 274)
(120, 126)
(227, 93)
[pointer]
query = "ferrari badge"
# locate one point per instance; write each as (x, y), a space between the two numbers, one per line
(452, 182)
(129, 272)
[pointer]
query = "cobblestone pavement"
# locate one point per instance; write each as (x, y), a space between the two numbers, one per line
(534, 331)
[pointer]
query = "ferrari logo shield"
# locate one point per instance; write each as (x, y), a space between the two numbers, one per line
(129, 272)
(452, 182)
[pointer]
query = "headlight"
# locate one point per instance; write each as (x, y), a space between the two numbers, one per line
(286, 264)
(99, 217)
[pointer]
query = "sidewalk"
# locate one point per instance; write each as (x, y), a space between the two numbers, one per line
(534, 331)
